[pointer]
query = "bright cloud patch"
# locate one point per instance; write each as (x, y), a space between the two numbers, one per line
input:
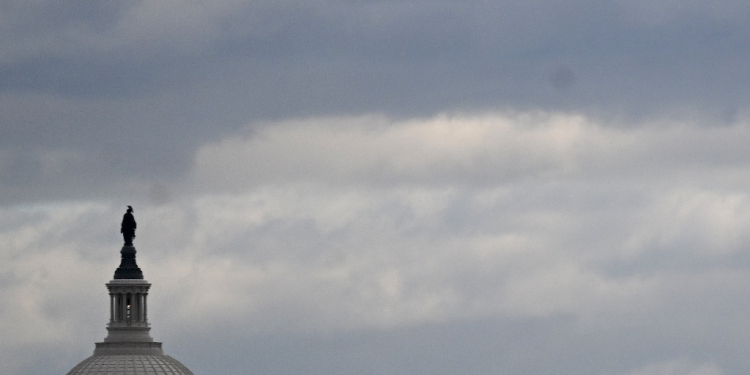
(531, 214)
(373, 149)
(490, 149)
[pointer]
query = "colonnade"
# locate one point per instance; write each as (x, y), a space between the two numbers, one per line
(128, 307)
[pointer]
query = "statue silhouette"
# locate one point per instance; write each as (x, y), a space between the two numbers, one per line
(128, 227)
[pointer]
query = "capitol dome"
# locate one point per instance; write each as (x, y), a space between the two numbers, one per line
(128, 348)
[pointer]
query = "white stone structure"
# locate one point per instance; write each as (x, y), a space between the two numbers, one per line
(128, 348)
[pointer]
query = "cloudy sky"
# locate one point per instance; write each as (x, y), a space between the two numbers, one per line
(381, 187)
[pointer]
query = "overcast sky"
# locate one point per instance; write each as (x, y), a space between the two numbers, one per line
(381, 187)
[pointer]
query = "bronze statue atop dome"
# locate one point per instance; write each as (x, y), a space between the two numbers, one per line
(127, 228)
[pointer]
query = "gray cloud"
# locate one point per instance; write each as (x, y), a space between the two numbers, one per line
(151, 81)
(407, 187)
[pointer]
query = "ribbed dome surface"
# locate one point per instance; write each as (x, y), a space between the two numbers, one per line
(130, 364)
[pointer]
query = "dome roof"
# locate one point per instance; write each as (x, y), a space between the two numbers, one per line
(130, 364)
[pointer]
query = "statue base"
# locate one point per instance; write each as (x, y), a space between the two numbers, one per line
(128, 268)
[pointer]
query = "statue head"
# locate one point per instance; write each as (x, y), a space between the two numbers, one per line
(130, 208)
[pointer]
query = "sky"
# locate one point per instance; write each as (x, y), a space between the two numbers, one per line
(381, 187)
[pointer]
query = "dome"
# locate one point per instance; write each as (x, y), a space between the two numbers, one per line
(130, 364)
(128, 348)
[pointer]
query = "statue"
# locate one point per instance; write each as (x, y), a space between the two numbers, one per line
(128, 227)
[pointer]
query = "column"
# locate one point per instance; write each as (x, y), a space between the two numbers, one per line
(123, 307)
(111, 308)
(118, 303)
(145, 308)
(142, 307)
